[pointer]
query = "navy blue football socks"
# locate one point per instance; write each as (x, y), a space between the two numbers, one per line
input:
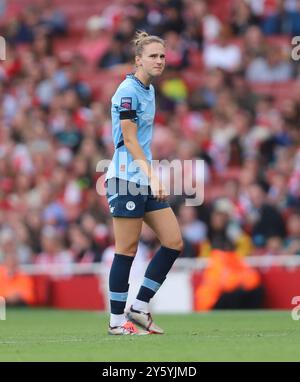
(118, 282)
(156, 272)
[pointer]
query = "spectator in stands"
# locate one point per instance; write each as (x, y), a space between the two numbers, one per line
(172, 17)
(53, 19)
(115, 55)
(2, 7)
(214, 82)
(80, 245)
(176, 50)
(15, 286)
(189, 122)
(242, 138)
(140, 13)
(193, 230)
(254, 44)
(282, 21)
(70, 136)
(273, 68)
(97, 233)
(77, 92)
(14, 242)
(96, 41)
(23, 29)
(201, 25)
(246, 98)
(260, 8)
(292, 241)
(126, 30)
(242, 18)
(53, 251)
(224, 231)
(223, 53)
(34, 226)
(274, 246)
(173, 89)
(55, 79)
(290, 113)
(277, 195)
(41, 45)
(232, 192)
(54, 211)
(293, 169)
(265, 220)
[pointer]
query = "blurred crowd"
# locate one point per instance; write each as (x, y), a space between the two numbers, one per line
(55, 126)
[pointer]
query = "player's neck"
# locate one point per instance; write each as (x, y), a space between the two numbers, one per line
(146, 80)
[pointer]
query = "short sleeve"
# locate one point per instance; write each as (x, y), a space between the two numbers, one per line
(125, 102)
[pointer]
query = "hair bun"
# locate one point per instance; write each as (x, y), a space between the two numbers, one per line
(142, 38)
(139, 37)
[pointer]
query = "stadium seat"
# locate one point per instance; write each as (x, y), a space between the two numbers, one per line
(193, 78)
(230, 173)
(281, 91)
(221, 9)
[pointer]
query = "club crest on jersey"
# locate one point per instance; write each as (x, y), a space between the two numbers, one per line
(130, 206)
(126, 102)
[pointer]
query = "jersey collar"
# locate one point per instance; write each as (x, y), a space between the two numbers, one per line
(132, 76)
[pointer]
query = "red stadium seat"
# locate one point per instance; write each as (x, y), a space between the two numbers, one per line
(230, 173)
(221, 9)
(193, 78)
(65, 45)
(281, 91)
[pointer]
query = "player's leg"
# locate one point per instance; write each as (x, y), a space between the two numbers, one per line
(127, 211)
(164, 223)
(127, 232)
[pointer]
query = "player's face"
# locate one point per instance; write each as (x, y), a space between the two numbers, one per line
(153, 59)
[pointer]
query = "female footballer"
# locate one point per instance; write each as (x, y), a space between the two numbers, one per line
(135, 194)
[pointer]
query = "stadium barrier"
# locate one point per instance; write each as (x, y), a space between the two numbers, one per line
(84, 286)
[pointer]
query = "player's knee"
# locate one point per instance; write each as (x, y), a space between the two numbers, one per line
(179, 244)
(130, 254)
(174, 243)
(128, 250)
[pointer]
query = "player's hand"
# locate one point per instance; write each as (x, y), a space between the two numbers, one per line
(158, 190)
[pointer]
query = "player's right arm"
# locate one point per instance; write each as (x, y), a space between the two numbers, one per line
(129, 132)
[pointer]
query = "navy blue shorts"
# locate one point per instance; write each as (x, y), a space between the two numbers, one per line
(128, 199)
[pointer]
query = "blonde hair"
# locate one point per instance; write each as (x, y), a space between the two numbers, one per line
(142, 38)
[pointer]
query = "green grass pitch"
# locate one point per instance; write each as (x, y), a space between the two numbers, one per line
(57, 335)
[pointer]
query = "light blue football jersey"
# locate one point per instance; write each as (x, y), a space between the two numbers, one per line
(132, 100)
